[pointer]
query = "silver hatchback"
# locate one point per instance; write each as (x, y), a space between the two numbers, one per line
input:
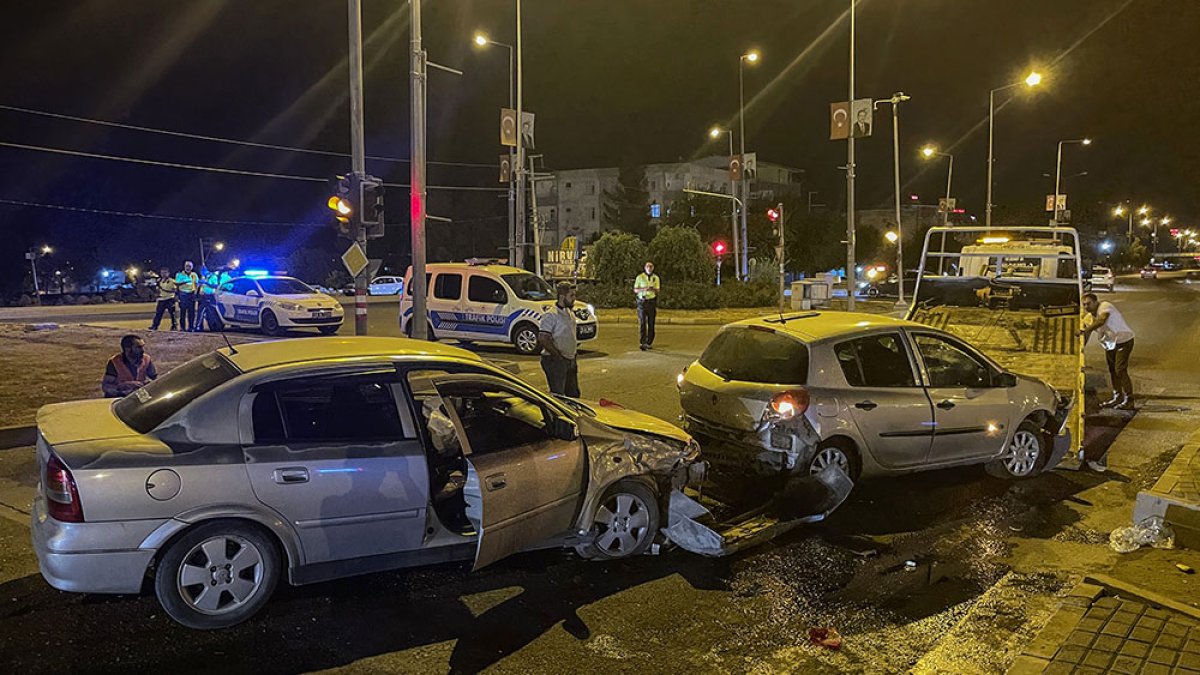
(328, 457)
(871, 394)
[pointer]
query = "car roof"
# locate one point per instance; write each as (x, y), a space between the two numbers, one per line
(814, 326)
(254, 355)
(494, 269)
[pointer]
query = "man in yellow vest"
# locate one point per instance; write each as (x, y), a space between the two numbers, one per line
(646, 288)
(167, 289)
(186, 282)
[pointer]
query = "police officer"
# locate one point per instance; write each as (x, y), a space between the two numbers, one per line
(208, 313)
(186, 283)
(646, 288)
(167, 289)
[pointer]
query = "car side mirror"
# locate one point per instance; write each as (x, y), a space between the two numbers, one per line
(565, 429)
(1006, 380)
(253, 294)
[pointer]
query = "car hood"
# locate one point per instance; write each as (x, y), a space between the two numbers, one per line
(618, 417)
(308, 301)
(75, 421)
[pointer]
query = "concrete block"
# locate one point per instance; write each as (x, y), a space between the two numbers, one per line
(1027, 665)
(1085, 590)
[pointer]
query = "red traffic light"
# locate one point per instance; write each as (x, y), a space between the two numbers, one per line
(719, 248)
(773, 215)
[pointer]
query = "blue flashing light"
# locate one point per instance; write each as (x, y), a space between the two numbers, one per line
(256, 274)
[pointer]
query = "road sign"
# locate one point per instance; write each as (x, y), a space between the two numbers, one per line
(947, 204)
(508, 127)
(1056, 205)
(839, 121)
(354, 259)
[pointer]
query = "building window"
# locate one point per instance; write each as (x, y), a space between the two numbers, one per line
(589, 189)
(655, 210)
(567, 185)
(592, 214)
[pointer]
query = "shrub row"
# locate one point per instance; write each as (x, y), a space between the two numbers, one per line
(684, 295)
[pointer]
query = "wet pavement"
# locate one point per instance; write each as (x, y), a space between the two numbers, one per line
(949, 571)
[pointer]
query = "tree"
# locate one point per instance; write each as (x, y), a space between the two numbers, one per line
(616, 257)
(679, 254)
(814, 241)
(626, 207)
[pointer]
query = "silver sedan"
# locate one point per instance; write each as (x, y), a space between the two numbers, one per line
(308, 460)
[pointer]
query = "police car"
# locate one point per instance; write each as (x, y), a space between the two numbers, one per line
(488, 302)
(274, 304)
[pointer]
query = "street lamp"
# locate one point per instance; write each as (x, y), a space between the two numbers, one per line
(751, 57)
(32, 256)
(1032, 80)
(929, 152)
(715, 133)
(891, 236)
(1058, 172)
(482, 40)
(896, 99)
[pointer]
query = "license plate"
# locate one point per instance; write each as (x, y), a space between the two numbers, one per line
(322, 314)
(586, 331)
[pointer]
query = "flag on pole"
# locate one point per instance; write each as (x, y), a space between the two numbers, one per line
(508, 127)
(839, 121)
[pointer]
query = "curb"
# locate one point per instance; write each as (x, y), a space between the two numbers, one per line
(17, 437)
(1127, 590)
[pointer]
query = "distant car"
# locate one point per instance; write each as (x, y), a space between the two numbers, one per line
(274, 304)
(301, 461)
(889, 288)
(1102, 277)
(386, 286)
(870, 394)
(1149, 272)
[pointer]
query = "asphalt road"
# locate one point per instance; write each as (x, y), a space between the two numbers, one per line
(976, 541)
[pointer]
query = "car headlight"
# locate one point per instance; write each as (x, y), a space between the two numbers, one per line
(288, 306)
(591, 309)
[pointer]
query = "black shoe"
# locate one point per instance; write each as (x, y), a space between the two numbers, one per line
(1112, 402)
(643, 347)
(1125, 404)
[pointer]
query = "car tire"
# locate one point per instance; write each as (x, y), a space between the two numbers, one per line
(408, 331)
(872, 292)
(525, 339)
(837, 452)
(329, 330)
(270, 323)
(625, 523)
(1025, 455)
(251, 563)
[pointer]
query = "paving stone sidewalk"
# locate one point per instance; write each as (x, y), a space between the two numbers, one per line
(1098, 632)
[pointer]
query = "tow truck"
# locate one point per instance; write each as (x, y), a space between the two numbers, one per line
(1015, 293)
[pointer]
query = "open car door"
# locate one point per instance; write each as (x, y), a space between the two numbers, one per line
(525, 464)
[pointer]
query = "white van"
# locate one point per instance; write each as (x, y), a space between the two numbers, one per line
(478, 301)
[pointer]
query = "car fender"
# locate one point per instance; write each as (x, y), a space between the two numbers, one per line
(261, 515)
(842, 425)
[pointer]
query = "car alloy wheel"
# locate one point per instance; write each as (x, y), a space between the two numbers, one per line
(1021, 455)
(270, 324)
(625, 523)
(830, 454)
(220, 574)
(526, 340)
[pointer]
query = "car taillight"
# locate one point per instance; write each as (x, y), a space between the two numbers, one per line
(788, 404)
(62, 497)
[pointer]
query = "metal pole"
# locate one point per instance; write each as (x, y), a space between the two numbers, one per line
(991, 114)
(519, 165)
(949, 180)
(896, 161)
(420, 330)
(512, 186)
(201, 252)
(358, 156)
(733, 211)
(37, 291)
(744, 260)
(1057, 179)
(537, 222)
(782, 256)
(851, 276)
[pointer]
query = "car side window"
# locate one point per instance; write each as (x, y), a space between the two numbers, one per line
(241, 286)
(948, 365)
(448, 287)
(495, 417)
(875, 361)
(408, 290)
(484, 289)
(358, 407)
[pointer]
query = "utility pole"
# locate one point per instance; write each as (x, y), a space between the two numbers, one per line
(417, 193)
(358, 157)
(519, 164)
(896, 99)
(782, 255)
(535, 219)
(851, 276)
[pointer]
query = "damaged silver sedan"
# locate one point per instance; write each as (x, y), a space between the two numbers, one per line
(309, 460)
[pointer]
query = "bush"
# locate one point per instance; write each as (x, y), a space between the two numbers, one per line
(679, 255)
(616, 258)
(753, 294)
(684, 295)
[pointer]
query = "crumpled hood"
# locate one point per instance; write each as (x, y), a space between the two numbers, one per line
(629, 420)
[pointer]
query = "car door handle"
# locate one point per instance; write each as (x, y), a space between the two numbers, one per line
(291, 475)
(866, 405)
(946, 405)
(496, 481)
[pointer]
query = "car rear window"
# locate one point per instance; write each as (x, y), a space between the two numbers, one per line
(753, 355)
(150, 406)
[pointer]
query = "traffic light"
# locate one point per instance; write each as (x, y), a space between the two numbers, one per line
(370, 199)
(773, 215)
(719, 248)
(341, 205)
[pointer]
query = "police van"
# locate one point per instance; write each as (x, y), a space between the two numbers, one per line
(481, 301)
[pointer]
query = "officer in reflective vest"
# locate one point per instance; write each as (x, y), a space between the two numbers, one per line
(128, 371)
(208, 312)
(186, 282)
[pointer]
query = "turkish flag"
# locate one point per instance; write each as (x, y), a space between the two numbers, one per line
(839, 121)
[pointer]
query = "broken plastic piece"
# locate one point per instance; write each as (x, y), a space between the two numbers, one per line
(1186, 569)
(910, 565)
(1151, 531)
(828, 638)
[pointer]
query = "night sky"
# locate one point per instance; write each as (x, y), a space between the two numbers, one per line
(614, 82)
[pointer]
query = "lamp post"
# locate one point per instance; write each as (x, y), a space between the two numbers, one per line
(851, 272)
(752, 57)
(929, 152)
(1031, 80)
(207, 246)
(482, 40)
(896, 99)
(1058, 173)
(715, 133)
(32, 255)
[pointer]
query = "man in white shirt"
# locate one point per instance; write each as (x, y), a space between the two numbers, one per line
(556, 334)
(1116, 337)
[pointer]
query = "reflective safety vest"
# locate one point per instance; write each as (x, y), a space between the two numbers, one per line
(213, 281)
(166, 288)
(186, 281)
(124, 374)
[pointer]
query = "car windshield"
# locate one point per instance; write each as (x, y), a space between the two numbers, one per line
(753, 355)
(284, 286)
(529, 286)
(148, 407)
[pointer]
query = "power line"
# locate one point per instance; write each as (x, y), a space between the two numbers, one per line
(231, 141)
(133, 214)
(219, 169)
